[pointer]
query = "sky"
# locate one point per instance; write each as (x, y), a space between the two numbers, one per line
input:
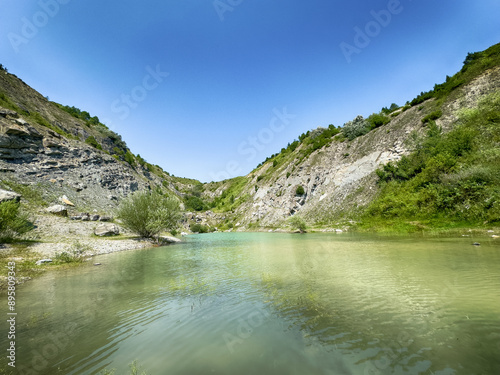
(208, 89)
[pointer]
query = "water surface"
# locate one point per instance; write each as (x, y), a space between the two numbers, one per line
(260, 303)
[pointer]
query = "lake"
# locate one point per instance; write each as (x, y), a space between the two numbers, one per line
(269, 303)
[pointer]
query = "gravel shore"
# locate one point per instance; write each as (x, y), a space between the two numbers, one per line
(60, 234)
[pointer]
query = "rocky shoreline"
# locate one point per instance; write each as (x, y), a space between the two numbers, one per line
(54, 235)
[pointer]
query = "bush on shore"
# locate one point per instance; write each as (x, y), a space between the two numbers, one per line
(149, 213)
(13, 222)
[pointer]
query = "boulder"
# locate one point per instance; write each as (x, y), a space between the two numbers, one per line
(58, 209)
(108, 229)
(94, 217)
(105, 218)
(168, 239)
(9, 196)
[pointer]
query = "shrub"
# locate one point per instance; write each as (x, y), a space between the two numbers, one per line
(298, 223)
(432, 116)
(93, 142)
(377, 120)
(13, 223)
(353, 129)
(149, 214)
(300, 190)
(199, 228)
(129, 158)
(195, 203)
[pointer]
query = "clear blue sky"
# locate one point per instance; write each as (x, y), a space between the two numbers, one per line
(233, 65)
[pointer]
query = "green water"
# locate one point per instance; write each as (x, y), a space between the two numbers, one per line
(249, 303)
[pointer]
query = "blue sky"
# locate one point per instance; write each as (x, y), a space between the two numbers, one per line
(208, 89)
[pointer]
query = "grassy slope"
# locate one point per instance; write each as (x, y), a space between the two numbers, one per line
(450, 180)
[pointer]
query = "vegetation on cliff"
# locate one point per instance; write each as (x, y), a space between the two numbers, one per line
(449, 178)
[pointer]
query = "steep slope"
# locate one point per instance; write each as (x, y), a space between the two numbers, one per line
(329, 175)
(52, 150)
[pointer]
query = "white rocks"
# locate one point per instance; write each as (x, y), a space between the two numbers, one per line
(108, 229)
(58, 210)
(64, 199)
(9, 196)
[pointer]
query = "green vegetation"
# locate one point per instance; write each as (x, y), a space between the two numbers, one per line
(232, 197)
(356, 128)
(13, 222)
(149, 213)
(450, 179)
(193, 200)
(300, 190)
(75, 255)
(25, 263)
(432, 116)
(200, 228)
(92, 142)
(376, 120)
(135, 369)
(474, 64)
(298, 223)
(33, 196)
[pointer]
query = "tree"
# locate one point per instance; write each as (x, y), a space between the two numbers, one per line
(13, 223)
(298, 223)
(148, 214)
(300, 190)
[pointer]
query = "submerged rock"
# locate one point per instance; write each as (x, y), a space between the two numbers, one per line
(168, 239)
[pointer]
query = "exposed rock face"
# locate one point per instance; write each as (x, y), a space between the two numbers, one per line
(340, 177)
(9, 196)
(107, 229)
(61, 163)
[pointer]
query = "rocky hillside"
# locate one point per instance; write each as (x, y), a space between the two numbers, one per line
(52, 150)
(328, 175)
